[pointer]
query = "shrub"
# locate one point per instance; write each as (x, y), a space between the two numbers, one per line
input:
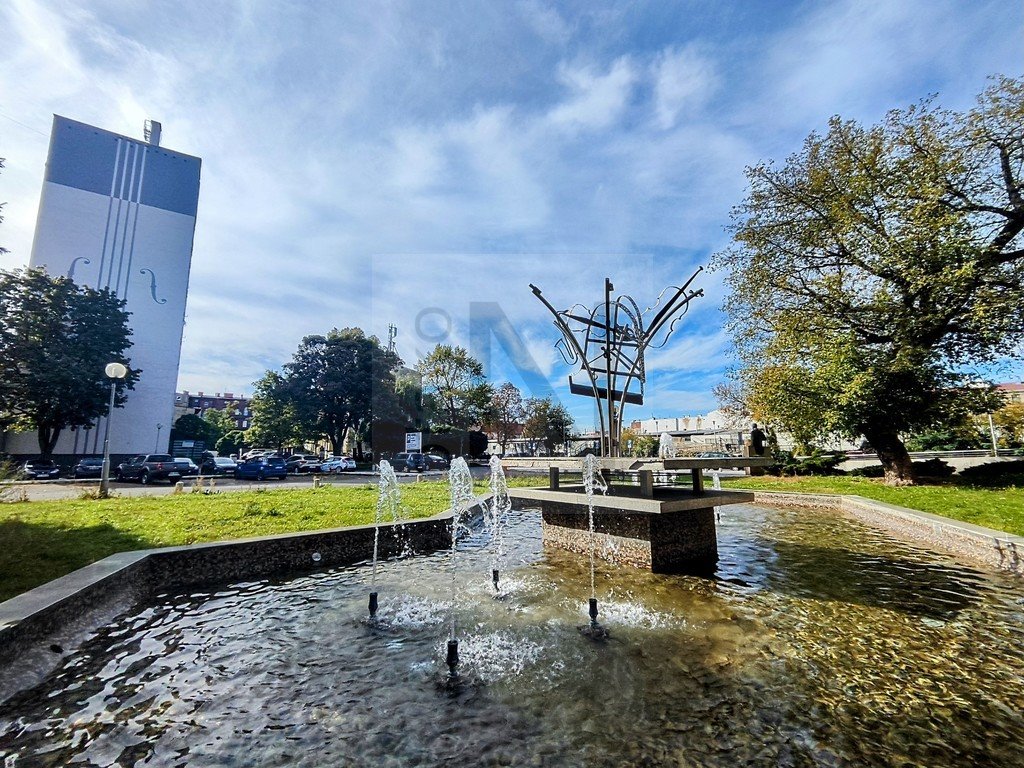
(872, 470)
(995, 473)
(817, 463)
(933, 468)
(930, 468)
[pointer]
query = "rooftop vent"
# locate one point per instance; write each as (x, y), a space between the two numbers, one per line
(151, 132)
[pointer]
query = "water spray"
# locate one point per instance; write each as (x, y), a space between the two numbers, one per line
(389, 499)
(460, 489)
(497, 511)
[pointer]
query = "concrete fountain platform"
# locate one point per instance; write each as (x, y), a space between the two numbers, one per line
(654, 524)
(672, 531)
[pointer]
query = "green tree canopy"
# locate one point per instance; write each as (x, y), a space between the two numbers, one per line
(456, 393)
(274, 420)
(547, 422)
(875, 266)
(56, 338)
(338, 382)
(193, 427)
(505, 414)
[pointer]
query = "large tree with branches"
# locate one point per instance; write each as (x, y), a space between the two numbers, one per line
(56, 337)
(876, 267)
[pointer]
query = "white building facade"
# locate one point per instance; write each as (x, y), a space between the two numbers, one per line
(120, 213)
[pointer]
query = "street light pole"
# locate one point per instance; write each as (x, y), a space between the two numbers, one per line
(157, 448)
(113, 371)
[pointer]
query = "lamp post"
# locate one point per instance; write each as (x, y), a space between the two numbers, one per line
(156, 449)
(114, 371)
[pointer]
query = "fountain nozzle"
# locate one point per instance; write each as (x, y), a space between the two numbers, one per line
(453, 658)
(494, 578)
(373, 605)
(593, 611)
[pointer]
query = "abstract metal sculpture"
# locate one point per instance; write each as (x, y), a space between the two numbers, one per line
(608, 342)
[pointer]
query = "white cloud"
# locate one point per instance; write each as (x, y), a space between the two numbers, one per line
(683, 81)
(595, 100)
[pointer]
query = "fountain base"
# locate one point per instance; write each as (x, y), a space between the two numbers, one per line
(672, 533)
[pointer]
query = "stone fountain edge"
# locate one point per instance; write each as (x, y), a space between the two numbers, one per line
(61, 613)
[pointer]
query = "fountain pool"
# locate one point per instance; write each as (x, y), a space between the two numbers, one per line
(820, 641)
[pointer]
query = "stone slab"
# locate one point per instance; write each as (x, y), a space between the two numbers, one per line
(629, 464)
(665, 500)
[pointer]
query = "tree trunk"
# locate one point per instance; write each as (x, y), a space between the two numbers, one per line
(47, 439)
(899, 469)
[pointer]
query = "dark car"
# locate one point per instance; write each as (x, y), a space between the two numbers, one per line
(87, 468)
(410, 462)
(437, 462)
(40, 469)
(261, 468)
(217, 465)
(188, 467)
(149, 468)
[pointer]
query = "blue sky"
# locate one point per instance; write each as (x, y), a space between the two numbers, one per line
(376, 163)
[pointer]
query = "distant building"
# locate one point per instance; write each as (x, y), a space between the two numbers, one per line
(198, 403)
(120, 213)
(1012, 391)
(714, 431)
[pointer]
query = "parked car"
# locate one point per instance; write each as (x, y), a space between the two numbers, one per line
(87, 468)
(437, 462)
(40, 469)
(261, 468)
(188, 467)
(338, 464)
(298, 461)
(149, 468)
(254, 453)
(217, 465)
(410, 462)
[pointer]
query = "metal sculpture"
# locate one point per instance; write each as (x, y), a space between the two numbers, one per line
(609, 341)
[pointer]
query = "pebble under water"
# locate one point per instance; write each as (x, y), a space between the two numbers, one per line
(820, 641)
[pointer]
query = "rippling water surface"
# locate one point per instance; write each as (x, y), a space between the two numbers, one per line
(820, 642)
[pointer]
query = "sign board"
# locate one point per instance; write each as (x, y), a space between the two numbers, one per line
(413, 441)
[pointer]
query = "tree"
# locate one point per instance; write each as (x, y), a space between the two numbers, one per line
(456, 394)
(274, 420)
(56, 338)
(637, 445)
(193, 427)
(1010, 420)
(547, 422)
(409, 399)
(505, 414)
(875, 266)
(231, 443)
(338, 382)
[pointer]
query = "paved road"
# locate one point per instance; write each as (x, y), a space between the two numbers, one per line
(53, 490)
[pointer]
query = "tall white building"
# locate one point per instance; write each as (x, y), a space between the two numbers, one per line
(120, 213)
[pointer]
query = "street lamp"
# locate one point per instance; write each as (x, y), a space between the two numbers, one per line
(114, 371)
(158, 428)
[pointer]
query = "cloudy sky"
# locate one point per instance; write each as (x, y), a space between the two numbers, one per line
(420, 163)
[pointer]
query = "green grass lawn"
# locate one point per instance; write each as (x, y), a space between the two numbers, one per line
(1001, 508)
(42, 540)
